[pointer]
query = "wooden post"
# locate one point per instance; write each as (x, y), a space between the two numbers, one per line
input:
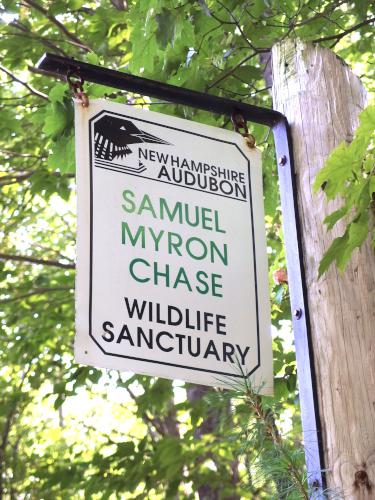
(321, 98)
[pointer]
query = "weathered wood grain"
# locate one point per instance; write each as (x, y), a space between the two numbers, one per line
(322, 98)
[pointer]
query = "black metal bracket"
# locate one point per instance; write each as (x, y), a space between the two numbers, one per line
(58, 65)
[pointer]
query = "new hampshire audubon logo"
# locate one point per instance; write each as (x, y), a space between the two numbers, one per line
(112, 137)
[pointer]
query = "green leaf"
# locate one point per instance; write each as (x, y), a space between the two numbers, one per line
(361, 6)
(248, 73)
(166, 27)
(57, 93)
(258, 8)
(291, 382)
(332, 178)
(372, 185)
(331, 219)
(62, 157)
(281, 390)
(367, 121)
(342, 247)
(358, 231)
(338, 246)
(125, 449)
(96, 91)
(93, 58)
(56, 120)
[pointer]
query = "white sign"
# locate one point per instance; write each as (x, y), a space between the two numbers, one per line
(172, 276)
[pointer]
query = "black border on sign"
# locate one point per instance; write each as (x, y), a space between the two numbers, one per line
(92, 165)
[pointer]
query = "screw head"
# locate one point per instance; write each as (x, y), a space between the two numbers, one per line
(297, 313)
(282, 160)
(315, 485)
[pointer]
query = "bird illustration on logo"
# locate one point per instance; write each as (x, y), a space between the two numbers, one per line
(112, 137)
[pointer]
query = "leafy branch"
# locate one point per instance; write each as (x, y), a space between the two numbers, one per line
(26, 32)
(323, 14)
(58, 24)
(349, 173)
(237, 23)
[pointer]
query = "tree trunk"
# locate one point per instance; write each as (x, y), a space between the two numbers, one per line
(322, 98)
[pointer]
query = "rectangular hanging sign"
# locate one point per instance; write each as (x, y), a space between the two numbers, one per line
(172, 276)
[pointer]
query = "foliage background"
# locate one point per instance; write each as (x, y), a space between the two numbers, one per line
(69, 431)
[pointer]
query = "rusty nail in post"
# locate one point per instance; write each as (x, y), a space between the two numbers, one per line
(297, 313)
(282, 160)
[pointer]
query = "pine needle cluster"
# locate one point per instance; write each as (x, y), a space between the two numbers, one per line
(274, 462)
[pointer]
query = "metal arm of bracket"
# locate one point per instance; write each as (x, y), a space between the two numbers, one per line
(58, 65)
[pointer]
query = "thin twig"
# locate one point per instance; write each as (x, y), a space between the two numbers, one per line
(344, 33)
(35, 260)
(42, 72)
(21, 155)
(37, 291)
(25, 84)
(230, 72)
(15, 178)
